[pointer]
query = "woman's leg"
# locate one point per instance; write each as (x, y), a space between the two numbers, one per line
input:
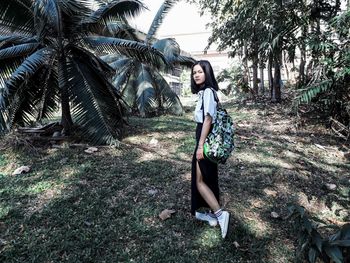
(205, 191)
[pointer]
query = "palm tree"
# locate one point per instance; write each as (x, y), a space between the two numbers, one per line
(48, 61)
(140, 82)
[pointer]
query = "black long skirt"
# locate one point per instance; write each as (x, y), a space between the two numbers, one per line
(210, 177)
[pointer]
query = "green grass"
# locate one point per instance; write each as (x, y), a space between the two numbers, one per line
(104, 207)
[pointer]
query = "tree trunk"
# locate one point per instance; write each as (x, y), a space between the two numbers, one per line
(245, 62)
(255, 76)
(262, 86)
(276, 91)
(301, 77)
(269, 74)
(66, 118)
(285, 64)
(277, 57)
(246, 68)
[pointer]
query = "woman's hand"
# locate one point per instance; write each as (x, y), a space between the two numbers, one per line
(199, 153)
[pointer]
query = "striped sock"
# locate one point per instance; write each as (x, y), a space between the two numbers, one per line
(211, 214)
(218, 213)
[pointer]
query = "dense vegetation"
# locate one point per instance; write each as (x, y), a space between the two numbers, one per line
(103, 206)
(141, 83)
(49, 55)
(309, 38)
(287, 185)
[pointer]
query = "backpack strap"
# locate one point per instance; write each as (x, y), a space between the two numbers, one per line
(216, 98)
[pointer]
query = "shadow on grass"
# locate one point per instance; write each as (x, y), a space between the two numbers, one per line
(163, 124)
(104, 208)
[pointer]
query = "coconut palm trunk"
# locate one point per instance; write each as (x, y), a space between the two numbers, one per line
(276, 91)
(66, 118)
(48, 60)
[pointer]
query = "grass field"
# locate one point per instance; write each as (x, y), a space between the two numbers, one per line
(103, 207)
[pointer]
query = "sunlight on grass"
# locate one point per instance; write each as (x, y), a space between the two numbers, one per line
(260, 159)
(254, 224)
(40, 187)
(104, 207)
(4, 210)
(3, 160)
(209, 237)
(147, 156)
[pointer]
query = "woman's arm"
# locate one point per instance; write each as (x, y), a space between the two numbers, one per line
(204, 134)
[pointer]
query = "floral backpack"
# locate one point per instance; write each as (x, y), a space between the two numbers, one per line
(219, 143)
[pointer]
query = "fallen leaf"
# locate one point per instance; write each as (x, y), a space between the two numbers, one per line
(165, 214)
(331, 187)
(320, 146)
(21, 170)
(274, 215)
(152, 191)
(235, 243)
(91, 150)
(88, 223)
(153, 142)
(3, 242)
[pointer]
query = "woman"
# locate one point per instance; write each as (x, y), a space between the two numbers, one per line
(204, 183)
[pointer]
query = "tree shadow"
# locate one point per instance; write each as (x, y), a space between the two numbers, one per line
(104, 207)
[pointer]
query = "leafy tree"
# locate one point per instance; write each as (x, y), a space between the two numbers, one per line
(235, 76)
(143, 87)
(48, 61)
(328, 86)
(250, 28)
(270, 28)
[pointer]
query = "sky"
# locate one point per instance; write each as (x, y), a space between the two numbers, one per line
(183, 18)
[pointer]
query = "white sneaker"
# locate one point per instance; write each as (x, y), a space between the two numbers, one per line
(206, 217)
(224, 220)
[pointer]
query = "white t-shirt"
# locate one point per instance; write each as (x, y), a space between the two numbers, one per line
(207, 99)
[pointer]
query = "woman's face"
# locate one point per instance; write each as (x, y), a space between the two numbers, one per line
(198, 75)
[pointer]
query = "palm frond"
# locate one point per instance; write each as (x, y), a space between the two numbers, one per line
(16, 15)
(8, 27)
(171, 51)
(22, 105)
(134, 49)
(94, 61)
(18, 50)
(48, 102)
(121, 29)
(171, 102)
(184, 61)
(7, 67)
(158, 19)
(120, 63)
(111, 58)
(311, 91)
(47, 12)
(76, 9)
(3, 124)
(19, 100)
(115, 9)
(169, 47)
(29, 67)
(129, 90)
(96, 109)
(10, 40)
(145, 91)
(26, 104)
(123, 75)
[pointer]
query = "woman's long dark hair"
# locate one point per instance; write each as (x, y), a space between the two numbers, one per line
(210, 80)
